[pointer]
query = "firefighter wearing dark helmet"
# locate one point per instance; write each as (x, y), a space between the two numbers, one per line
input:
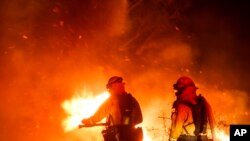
(191, 113)
(122, 112)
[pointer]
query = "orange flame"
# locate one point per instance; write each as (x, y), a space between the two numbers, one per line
(83, 105)
(146, 137)
(221, 135)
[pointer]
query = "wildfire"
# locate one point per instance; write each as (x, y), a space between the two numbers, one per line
(221, 135)
(146, 137)
(81, 106)
(84, 104)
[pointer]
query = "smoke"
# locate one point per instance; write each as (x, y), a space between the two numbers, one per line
(50, 49)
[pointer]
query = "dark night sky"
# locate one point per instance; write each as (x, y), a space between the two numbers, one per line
(50, 48)
(224, 31)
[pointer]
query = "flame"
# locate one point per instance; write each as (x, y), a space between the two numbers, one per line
(84, 104)
(221, 135)
(81, 106)
(146, 137)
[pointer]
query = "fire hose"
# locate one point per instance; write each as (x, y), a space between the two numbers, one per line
(92, 125)
(111, 132)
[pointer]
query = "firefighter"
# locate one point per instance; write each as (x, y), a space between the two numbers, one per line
(191, 113)
(122, 112)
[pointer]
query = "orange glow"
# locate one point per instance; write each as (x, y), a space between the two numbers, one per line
(221, 135)
(81, 106)
(84, 104)
(146, 137)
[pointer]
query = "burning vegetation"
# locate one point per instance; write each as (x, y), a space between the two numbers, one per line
(56, 57)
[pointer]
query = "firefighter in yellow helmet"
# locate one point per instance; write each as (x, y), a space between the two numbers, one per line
(191, 113)
(122, 112)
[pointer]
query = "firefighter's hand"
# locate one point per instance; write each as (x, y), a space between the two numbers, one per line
(87, 122)
(172, 139)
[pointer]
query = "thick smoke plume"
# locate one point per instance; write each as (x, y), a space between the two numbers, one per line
(50, 49)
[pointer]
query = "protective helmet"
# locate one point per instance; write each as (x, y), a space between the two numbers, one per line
(113, 80)
(183, 82)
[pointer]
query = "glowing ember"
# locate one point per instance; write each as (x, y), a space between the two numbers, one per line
(24, 36)
(81, 106)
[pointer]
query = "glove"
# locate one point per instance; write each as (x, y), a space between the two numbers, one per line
(87, 121)
(172, 139)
